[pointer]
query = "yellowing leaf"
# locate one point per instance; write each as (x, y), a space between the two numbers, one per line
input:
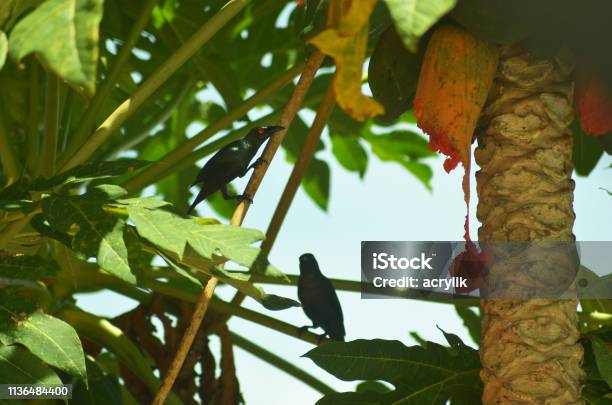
(346, 42)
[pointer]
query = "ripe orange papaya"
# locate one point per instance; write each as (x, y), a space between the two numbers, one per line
(456, 75)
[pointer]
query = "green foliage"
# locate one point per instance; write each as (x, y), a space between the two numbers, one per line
(104, 387)
(586, 151)
(430, 374)
(472, 321)
(316, 182)
(414, 17)
(406, 148)
(68, 44)
(19, 366)
(603, 357)
(48, 338)
(392, 74)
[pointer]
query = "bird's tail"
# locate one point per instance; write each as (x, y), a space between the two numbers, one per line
(201, 195)
(336, 336)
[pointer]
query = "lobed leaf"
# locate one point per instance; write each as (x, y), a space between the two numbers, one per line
(50, 339)
(433, 374)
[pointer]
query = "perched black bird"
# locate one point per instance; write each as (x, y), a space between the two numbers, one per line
(319, 299)
(230, 162)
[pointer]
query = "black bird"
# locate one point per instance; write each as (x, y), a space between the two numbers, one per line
(319, 299)
(230, 162)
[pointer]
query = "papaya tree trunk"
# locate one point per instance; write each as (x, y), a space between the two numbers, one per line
(529, 351)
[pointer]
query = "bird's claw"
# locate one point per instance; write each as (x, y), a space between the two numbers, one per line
(260, 162)
(245, 197)
(321, 338)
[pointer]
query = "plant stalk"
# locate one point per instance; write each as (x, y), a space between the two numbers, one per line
(114, 121)
(52, 116)
(87, 121)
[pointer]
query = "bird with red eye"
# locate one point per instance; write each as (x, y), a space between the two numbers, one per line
(230, 162)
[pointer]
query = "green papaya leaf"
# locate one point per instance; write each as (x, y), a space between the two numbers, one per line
(316, 183)
(50, 339)
(19, 366)
(471, 320)
(414, 17)
(393, 73)
(216, 243)
(95, 233)
(405, 148)
(433, 374)
(586, 151)
(103, 389)
(603, 358)
(350, 153)
(64, 33)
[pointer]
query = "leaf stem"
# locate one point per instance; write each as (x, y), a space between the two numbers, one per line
(114, 121)
(87, 121)
(281, 364)
(52, 115)
(168, 164)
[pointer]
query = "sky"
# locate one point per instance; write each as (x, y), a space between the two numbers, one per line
(387, 204)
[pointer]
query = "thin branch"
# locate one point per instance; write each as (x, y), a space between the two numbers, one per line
(281, 364)
(168, 164)
(291, 109)
(186, 341)
(110, 80)
(46, 166)
(114, 121)
(299, 169)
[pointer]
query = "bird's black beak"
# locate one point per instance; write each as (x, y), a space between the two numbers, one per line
(272, 130)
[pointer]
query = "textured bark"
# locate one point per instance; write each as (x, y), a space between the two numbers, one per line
(529, 350)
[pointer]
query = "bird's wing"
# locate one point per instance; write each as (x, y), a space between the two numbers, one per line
(335, 317)
(220, 164)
